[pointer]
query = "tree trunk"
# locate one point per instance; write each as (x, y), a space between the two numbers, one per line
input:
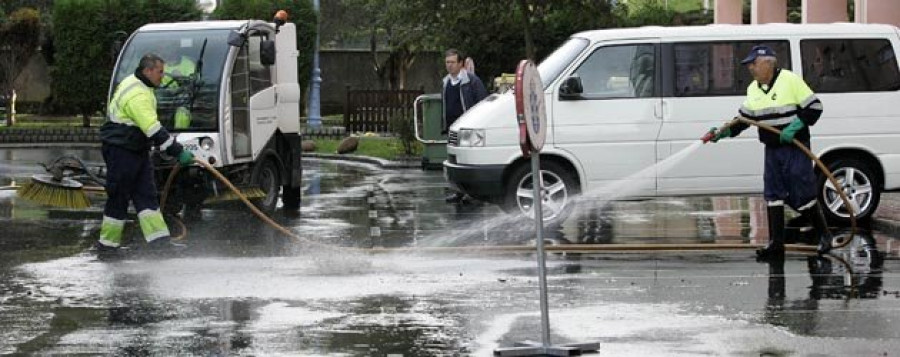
(11, 108)
(85, 120)
(526, 18)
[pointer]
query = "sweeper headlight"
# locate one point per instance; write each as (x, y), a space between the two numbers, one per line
(207, 144)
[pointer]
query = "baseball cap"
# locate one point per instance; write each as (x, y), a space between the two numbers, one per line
(756, 51)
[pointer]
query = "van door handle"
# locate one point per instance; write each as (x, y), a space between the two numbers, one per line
(658, 109)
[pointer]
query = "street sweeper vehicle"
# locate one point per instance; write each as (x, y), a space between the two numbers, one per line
(230, 96)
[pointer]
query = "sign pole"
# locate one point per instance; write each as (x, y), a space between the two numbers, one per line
(537, 181)
(532, 119)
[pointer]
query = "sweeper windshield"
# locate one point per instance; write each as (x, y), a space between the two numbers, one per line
(188, 97)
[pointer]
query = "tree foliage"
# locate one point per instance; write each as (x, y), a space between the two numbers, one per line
(404, 28)
(19, 37)
(300, 12)
(83, 35)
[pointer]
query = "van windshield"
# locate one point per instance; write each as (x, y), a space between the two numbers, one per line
(188, 97)
(556, 62)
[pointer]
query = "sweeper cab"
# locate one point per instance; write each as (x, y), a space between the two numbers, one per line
(230, 96)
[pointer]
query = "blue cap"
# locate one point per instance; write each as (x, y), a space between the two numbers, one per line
(756, 51)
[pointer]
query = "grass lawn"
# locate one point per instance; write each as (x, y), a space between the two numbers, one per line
(389, 148)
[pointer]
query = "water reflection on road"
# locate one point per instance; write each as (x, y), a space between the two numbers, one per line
(244, 289)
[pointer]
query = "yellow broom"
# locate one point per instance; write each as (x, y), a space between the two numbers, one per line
(48, 190)
(250, 192)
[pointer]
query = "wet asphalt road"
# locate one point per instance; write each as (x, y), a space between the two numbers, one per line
(242, 288)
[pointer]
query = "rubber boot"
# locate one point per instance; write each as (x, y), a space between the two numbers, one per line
(820, 227)
(107, 253)
(775, 247)
(162, 247)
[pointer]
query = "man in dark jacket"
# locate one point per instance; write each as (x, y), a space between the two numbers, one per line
(460, 91)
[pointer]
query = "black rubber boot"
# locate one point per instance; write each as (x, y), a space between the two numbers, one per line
(107, 253)
(820, 227)
(775, 248)
(164, 246)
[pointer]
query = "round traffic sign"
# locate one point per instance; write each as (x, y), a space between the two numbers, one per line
(530, 107)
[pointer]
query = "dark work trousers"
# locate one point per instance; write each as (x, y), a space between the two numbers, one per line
(789, 176)
(129, 178)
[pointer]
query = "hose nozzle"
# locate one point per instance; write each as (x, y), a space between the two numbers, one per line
(708, 136)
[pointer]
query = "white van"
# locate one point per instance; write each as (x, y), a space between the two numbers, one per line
(621, 100)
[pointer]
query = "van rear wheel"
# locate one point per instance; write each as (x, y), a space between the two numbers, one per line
(858, 182)
(559, 190)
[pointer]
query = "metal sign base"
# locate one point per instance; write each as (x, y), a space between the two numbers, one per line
(532, 348)
(543, 348)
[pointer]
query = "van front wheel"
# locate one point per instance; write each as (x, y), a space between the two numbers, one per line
(559, 189)
(858, 182)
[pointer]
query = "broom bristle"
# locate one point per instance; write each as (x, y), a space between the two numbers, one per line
(250, 193)
(49, 195)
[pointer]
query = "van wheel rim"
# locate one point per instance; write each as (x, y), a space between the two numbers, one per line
(855, 184)
(555, 195)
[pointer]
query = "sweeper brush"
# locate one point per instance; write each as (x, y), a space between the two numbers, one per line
(47, 190)
(59, 187)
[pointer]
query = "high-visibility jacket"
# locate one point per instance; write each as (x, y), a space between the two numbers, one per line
(131, 120)
(778, 104)
(185, 67)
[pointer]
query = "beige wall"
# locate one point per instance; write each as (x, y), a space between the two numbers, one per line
(728, 11)
(768, 11)
(878, 12)
(813, 11)
(824, 11)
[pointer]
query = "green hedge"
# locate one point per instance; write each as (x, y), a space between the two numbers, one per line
(83, 35)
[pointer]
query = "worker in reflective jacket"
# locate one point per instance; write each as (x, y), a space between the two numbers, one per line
(782, 99)
(129, 132)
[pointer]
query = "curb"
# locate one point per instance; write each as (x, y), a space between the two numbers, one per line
(383, 163)
(886, 225)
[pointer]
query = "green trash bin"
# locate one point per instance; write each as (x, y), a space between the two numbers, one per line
(428, 126)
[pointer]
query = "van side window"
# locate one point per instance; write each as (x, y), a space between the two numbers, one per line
(714, 68)
(260, 75)
(850, 65)
(626, 71)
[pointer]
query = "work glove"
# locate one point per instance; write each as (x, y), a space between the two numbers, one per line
(787, 134)
(715, 134)
(185, 158)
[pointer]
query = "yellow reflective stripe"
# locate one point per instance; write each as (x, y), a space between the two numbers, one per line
(153, 129)
(784, 110)
(152, 224)
(111, 231)
(809, 100)
(778, 121)
(808, 205)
